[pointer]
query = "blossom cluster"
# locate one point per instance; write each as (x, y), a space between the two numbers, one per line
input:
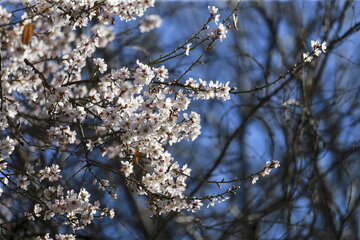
(75, 207)
(51, 173)
(7, 146)
(128, 113)
(79, 13)
(211, 90)
(266, 171)
(220, 31)
(134, 111)
(65, 135)
(318, 49)
(168, 180)
(57, 237)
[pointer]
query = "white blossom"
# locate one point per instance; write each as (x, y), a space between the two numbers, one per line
(101, 64)
(22, 182)
(219, 32)
(187, 49)
(213, 10)
(318, 49)
(127, 168)
(150, 22)
(307, 57)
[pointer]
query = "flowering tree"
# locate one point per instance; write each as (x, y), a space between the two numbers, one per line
(77, 124)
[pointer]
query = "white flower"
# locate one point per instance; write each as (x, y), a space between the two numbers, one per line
(315, 44)
(127, 168)
(213, 10)
(22, 182)
(307, 57)
(54, 173)
(150, 22)
(216, 18)
(105, 35)
(84, 195)
(47, 237)
(48, 215)
(37, 210)
(323, 47)
(317, 52)
(30, 170)
(90, 145)
(44, 173)
(161, 73)
(219, 32)
(318, 49)
(124, 73)
(212, 202)
(276, 163)
(143, 74)
(103, 184)
(196, 205)
(254, 179)
(187, 49)
(111, 213)
(65, 237)
(7, 146)
(267, 171)
(113, 196)
(101, 64)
